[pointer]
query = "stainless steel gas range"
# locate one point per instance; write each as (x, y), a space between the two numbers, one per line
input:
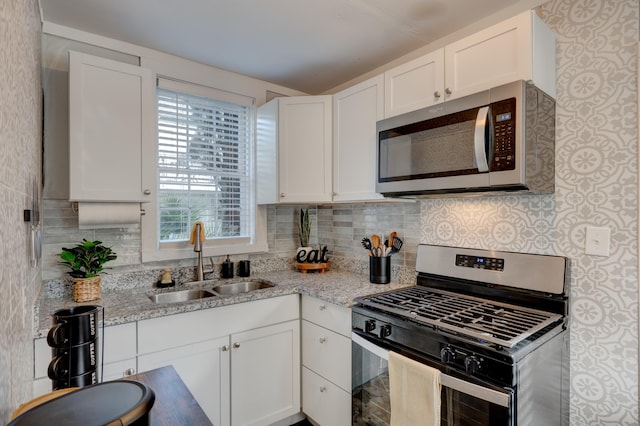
(493, 323)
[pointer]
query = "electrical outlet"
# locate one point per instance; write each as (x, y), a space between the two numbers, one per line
(597, 241)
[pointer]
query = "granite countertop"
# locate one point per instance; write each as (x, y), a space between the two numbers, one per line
(123, 306)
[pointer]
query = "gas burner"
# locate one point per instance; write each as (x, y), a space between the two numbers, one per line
(489, 321)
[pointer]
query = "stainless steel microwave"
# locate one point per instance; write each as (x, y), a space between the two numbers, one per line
(496, 141)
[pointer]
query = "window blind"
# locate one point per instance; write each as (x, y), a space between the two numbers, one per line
(204, 166)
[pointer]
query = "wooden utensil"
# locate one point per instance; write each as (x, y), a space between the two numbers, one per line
(375, 243)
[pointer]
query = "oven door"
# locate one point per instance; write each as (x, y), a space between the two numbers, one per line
(462, 402)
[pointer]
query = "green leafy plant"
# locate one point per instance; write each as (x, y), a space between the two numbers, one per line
(87, 259)
(304, 227)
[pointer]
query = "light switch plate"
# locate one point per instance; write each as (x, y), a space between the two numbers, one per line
(597, 241)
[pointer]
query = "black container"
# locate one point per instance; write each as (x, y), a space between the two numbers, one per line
(227, 268)
(73, 361)
(79, 381)
(74, 342)
(73, 326)
(244, 268)
(380, 270)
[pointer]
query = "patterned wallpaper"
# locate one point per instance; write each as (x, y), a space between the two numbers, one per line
(20, 164)
(596, 184)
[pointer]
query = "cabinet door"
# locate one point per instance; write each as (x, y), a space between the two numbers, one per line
(414, 85)
(519, 48)
(265, 374)
(355, 112)
(304, 149)
(204, 368)
(111, 118)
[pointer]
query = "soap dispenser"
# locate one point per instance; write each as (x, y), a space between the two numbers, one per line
(227, 268)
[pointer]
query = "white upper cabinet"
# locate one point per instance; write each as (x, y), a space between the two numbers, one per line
(111, 122)
(415, 84)
(355, 112)
(519, 48)
(294, 150)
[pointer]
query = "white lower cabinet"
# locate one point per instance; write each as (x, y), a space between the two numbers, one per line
(265, 374)
(204, 368)
(325, 403)
(241, 362)
(326, 361)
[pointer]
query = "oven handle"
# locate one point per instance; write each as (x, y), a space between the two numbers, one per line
(485, 394)
(479, 142)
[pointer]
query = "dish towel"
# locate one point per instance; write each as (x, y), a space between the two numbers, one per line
(415, 392)
(193, 237)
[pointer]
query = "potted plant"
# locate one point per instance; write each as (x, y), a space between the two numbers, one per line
(86, 261)
(304, 230)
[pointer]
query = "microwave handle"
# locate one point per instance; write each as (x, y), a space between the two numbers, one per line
(479, 141)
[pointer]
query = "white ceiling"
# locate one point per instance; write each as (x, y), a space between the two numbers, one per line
(307, 45)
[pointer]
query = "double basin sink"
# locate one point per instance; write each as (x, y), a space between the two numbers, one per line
(223, 289)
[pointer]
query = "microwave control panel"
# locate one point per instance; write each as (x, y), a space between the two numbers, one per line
(504, 135)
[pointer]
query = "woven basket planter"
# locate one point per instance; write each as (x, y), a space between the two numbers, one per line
(86, 289)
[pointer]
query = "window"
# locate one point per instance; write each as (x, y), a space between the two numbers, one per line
(204, 171)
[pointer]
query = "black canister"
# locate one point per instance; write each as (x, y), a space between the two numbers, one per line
(227, 268)
(244, 268)
(380, 269)
(74, 342)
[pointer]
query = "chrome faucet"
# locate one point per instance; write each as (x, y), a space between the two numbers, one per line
(197, 247)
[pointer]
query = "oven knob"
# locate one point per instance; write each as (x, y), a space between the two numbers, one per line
(472, 364)
(369, 325)
(385, 331)
(447, 355)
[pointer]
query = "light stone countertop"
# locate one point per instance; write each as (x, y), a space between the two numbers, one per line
(123, 306)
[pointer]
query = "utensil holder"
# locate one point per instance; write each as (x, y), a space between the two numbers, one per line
(379, 269)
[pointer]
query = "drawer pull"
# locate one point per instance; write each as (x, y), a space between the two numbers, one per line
(129, 371)
(322, 339)
(322, 307)
(323, 388)
(225, 348)
(236, 345)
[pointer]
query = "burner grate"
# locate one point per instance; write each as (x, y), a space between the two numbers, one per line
(494, 322)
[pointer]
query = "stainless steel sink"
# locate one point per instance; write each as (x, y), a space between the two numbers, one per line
(181, 296)
(241, 287)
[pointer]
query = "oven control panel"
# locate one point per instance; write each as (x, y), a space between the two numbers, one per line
(480, 262)
(469, 362)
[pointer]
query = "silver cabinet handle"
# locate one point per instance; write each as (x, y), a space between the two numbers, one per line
(236, 345)
(147, 192)
(436, 94)
(282, 195)
(322, 339)
(225, 348)
(129, 371)
(448, 91)
(323, 388)
(322, 307)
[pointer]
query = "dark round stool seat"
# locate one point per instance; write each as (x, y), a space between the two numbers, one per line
(120, 402)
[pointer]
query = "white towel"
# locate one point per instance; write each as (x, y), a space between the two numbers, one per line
(415, 392)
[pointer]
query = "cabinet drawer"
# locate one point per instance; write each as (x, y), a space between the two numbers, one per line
(325, 403)
(325, 314)
(327, 353)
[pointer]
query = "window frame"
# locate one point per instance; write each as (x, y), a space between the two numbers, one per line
(152, 249)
